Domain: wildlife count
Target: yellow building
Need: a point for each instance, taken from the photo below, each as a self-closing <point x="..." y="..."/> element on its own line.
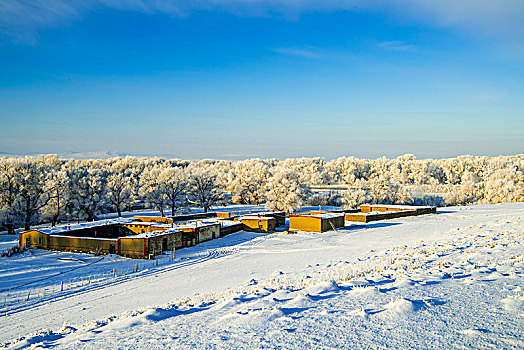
<point x="369" y="208"/>
<point x="258" y="223"/>
<point x="316" y="223"/>
<point x="145" y="227"/>
<point x="198" y="231"/>
<point x="156" y="219"/>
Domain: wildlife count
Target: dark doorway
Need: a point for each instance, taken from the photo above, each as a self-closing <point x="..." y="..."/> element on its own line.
<point x="28" y="242"/>
<point x="164" y="244"/>
<point x="112" y="249"/>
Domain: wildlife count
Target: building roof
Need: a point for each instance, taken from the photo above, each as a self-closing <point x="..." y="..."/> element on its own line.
<point x="396" y="206"/>
<point x="321" y="216"/>
<point x="83" y="225"/>
<point x="254" y="217"/>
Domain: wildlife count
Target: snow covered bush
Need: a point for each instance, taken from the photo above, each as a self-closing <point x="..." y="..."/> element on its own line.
<point x="352" y="198"/>
<point x="325" y="198"/>
<point x="383" y="191"/>
<point x="12" y="251"/>
<point x="430" y="200"/>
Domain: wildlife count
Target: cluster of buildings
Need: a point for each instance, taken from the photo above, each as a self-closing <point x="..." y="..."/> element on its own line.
<point x="145" y="237"/>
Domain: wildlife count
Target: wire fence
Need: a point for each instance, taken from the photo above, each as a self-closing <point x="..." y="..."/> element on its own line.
<point x="12" y="300"/>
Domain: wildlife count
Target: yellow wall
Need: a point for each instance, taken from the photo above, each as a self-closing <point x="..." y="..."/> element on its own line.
<point x="355" y="217"/>
<point x="132" y="247"/>
<point x="36" y="238"/>
<point x="140" y="228"/>
<point x="93" y="245"/>
<point x="157" y="219"/>
<point x="262" y="225"/>
<point x="304" y="223"/>
<point x="370" y="208"/>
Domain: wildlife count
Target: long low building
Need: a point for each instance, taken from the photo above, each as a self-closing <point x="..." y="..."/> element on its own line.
<point x="143" y="246"/>
<point x="122" y="236"/>
<point x="376" y="212"/>
<point x="420" y="210"/>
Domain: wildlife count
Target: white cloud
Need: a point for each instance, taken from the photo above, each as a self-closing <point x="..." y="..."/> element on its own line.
<point x="397" y="46"/>
<point x="293" y="51"/>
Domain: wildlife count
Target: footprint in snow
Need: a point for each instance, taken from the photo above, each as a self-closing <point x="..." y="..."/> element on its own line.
<point x="513" y="303"/>
<point x="473" y="331"/>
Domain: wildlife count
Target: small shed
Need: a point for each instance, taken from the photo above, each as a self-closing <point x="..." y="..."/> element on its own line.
<point x="279" y="216"/>
<point x="316" y="223"/>
<point x="258" y="223"/>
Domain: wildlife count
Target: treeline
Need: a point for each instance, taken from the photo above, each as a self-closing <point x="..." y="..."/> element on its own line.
<point x="49" y="189"/>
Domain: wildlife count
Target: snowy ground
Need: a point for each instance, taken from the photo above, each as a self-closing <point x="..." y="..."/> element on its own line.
<point x="452" y="280"/>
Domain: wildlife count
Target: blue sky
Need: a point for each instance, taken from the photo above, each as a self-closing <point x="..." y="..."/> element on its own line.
<point x="239" y="79"/>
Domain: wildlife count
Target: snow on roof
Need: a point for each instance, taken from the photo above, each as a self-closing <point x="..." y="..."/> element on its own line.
<point x="255" y="217"/>
<point x="264" y="213"/>
<point x="151" y="224"/>
<point x="322" y="216"/>
<point x="84" y="225"/>
<point x="227" y="223"/>
<point x="407" y="207"/>
<point x="376" y="212"/>
<point x="97" y="238"/>
<point x="152" y="234"/>
<point x="195" y="224"/>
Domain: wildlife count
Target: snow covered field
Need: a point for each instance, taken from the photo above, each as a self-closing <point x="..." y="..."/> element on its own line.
<point x="452" y="280"/>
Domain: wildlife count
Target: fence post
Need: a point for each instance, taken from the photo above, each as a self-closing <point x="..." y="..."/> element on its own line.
<point x="89" y="280"/>
<point x="136" y="268"/>
<point x="61" y="286"/>
<point x="114" y="272"/>
<point x="28" y="294"/>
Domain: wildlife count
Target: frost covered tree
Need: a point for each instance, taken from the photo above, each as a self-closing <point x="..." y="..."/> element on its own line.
<point x="174" y="182"/>
<point x="382" y="191"/>
<point x="152" y="188"/>
<point x="119" y="190"/>
<point x="352" y="198"/>
<point x="10" y="211"/>
<point x="204" y="189"/>
<point x="57" y="185"/>
<point x="503" y="185"/>
<point x="32" y="176"/>
<point x="247" y="183"/>
<point x="285" y="192"/>
<point x="88" y="192"/>
<point x="325" y="198"/>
